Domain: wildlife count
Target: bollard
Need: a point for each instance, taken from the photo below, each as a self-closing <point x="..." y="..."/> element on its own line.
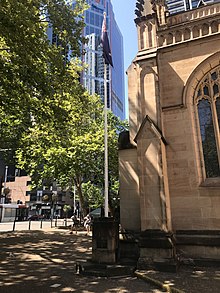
<point x="41" y="223"/>
<point x="16" y="212"/>
<point x="29" y="225"/>
<point x="14" y="225"/>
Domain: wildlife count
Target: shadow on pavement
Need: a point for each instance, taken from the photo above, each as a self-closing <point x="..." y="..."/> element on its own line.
<point x="39" y="261"/>
<point x="190" y="279"/>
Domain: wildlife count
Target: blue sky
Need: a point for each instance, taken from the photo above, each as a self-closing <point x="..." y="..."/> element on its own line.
<point x="124" y="15"/>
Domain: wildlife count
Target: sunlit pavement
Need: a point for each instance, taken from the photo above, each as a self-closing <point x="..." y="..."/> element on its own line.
<point x="32" y="225"/>
<point x="44" y="260"/>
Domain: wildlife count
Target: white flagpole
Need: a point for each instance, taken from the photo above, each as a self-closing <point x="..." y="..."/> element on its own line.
<point x="106" y="140"/>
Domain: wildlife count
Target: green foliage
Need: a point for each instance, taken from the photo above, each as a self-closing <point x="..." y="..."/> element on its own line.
<point x="93" y="195"/>
<point x="66" y="209"/>
<point x="54" y="128"/>
<point x="114" y="192"/>
<point x="67" y="149"/>
<point x="33" y="70"/>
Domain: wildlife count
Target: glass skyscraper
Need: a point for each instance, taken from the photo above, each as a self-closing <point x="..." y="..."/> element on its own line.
<point x="93" y="76"/>
<point x="175" y="6"/>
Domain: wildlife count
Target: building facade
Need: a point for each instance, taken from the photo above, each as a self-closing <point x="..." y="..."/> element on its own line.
<point x="170" y="160"/>
<point x="46" y="200"/>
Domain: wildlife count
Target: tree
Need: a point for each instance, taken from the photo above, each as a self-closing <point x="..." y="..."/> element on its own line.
<point x="54" y="128"/>
<point x="93" y="195"/>
<point x="33" y="70"/>
<point x="74" y="154"/>
<point x="65" y="152"/>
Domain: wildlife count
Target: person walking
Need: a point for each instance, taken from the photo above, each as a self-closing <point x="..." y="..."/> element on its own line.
<point x="87" y="223"/>
<point x="75" y="223"/>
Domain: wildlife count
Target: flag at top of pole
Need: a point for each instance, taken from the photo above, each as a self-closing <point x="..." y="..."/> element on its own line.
<point x="105" y="43"/>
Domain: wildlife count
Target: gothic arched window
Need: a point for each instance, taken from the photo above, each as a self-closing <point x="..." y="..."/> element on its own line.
<point x="208" y="111"/>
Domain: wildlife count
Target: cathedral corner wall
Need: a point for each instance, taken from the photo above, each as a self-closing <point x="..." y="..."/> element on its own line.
<point x="129" y="190"/>
<point x="193" y="207"/>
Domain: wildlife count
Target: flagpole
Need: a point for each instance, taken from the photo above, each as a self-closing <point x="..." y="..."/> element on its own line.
<point x="106" y="140"/>
<point x="107" y="58"/>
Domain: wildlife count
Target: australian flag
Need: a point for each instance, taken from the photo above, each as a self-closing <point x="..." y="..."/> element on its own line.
<point x="105" y="44"/>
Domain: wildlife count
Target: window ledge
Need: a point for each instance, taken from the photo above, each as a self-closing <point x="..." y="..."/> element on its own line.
<point x="211" y="183"/>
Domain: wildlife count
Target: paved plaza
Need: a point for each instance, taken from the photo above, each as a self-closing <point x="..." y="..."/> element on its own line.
<point x="45" y="260"/>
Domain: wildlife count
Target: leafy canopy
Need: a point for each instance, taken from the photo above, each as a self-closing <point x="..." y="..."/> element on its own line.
<point x="48" y="120"/>
<point x="35" y="73"/>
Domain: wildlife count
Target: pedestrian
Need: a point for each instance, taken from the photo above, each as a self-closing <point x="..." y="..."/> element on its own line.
<point x="87" y="223"/>
<point x="75" y="223"/>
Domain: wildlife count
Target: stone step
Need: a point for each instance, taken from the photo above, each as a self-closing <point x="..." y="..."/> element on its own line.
<point x="163" y="265"/>
<point x="201" y="262"/>
<point x="128" y="261"/>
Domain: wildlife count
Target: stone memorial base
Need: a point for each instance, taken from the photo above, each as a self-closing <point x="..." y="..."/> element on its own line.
<point x="105" y="240"/>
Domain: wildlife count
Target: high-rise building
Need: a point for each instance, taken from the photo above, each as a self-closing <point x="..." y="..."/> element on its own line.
<point x="93" y="76"/>
<point x="175" y="6"/>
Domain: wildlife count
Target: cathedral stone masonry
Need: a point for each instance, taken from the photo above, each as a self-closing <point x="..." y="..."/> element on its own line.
<point x="169" y="165"/>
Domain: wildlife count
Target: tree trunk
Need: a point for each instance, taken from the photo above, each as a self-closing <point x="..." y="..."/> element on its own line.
<point x="78" y="184"/>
